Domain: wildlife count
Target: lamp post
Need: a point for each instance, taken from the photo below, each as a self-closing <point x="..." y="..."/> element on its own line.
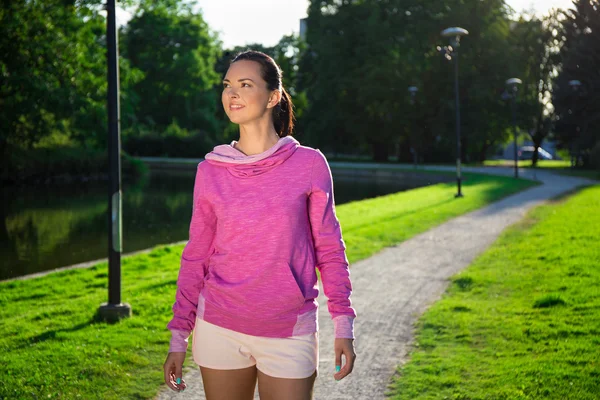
<point x="451" y="52"/>
<point x="512" y="85"/>
<point x="575" y="85"/>
<point x="413" y="90"/>
<point x="114" y="309"/>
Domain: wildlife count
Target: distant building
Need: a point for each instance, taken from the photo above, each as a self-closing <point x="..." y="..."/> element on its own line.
<point x="303" y="28"/>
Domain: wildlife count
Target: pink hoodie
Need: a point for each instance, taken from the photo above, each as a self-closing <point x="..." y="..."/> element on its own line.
<point x="260" y="225"/>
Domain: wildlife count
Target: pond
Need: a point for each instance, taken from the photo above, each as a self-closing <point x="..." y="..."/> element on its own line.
<point x="56" y="226"/>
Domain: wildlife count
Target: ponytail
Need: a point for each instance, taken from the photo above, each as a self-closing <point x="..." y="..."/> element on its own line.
<point x="283" y="115"/>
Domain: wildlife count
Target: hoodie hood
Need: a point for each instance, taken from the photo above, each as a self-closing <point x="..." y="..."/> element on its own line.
<point x="244" y="166"/>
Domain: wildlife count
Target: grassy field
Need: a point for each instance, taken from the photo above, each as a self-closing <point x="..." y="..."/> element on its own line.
<point x="558" y="166"/>
<point x="52" y="345"/>
<point x="527" y="163"/>
<point x="523" y="321"/>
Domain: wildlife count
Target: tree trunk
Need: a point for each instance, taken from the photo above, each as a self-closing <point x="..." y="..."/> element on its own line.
<point x="380" y="152"/>
<point x="537" y="142"/>
<point x="483" y="151"/>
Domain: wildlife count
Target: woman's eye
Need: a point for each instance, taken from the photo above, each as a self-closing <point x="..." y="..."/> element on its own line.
<point x="245" y="84"/>
<point x="225" y="85"/>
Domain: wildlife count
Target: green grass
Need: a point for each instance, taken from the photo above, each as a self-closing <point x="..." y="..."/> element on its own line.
<point x="52" y="346"/>
<point x="370" y="225"/>
<point x="562" y="167"/>
<point x="523" y="321"/>
<point x="527" y="163"/>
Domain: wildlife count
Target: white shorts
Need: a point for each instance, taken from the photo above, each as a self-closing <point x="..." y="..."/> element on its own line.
<point x="295" y="357"/>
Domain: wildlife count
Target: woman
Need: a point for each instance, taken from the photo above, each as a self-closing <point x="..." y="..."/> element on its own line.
<point x="263" y="218"/>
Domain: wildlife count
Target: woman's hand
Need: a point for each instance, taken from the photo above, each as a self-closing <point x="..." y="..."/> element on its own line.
<point x="345" y="347"/>
<point x="173" y="370"/>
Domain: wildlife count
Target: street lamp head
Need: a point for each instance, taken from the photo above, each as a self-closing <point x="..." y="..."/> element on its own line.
<point x="575" y="84"/>
<point x="413" y="93"/>
<point x="513" y="81"/>
<point x="454" y="32"/>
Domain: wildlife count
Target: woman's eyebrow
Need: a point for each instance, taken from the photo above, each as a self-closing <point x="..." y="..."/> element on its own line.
<point x="240" y="80"/>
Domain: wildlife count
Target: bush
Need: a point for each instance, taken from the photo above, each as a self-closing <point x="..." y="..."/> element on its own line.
<point x="594" y="156"/>
<point x="63" y="164"/>
<point x="172" y="142"/>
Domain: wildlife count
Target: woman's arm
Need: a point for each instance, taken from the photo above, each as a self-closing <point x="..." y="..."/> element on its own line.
<point x="193" y="267"/>
<point x="330" y="248"/>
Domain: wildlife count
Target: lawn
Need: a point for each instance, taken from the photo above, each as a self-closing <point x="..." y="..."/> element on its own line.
<point x="527" y="163"/>
<point x="523" y="321"/>
<point x="559" y="166"/>
<point x="53" y="346"/>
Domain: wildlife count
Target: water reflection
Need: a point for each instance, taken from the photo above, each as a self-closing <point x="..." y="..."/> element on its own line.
<point x="51" y="227"/>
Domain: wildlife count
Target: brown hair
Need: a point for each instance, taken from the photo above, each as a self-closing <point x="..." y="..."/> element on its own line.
<point x="283" y="113"/>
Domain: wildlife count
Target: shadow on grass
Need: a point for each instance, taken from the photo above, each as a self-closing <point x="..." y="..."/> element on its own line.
<point x="397" y="216"/>
<point x="170" y="282"/>
<point x="52" y="334"/>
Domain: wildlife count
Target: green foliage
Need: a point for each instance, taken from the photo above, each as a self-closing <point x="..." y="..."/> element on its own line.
<point x="173" y="141"/>
<point x="50" y="71"/>
<point x="385" y="47"/>
<point x="578" y="112"/>
<point x="535" y="57"/>
<point x="176" y="52"/>
<point x="63" y="164"/>
<point x="348" y="79"/>
<point x="595" y="156"/>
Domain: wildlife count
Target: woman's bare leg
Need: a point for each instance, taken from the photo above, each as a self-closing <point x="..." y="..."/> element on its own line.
<point x="271" y="388"/>
<point x="233" y="384"/>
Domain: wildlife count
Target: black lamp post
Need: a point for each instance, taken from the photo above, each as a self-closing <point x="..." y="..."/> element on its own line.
<point x="413" y="94"/>
<point x="512" y="90"/>
<point x="575" y="85"/>
<point x="451" y="52"/>
<point x="114" y="309"/>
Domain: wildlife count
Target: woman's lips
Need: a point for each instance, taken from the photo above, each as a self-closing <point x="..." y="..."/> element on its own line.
<point x="235" y="107"/>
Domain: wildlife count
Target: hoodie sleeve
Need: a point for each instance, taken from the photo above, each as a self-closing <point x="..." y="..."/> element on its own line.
<point x="330" y="248"/>
<point x="193" y="267"/>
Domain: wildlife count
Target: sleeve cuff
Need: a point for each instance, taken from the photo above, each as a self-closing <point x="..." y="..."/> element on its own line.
<point x="179" y="341"/>
<point x="343" y="327"/>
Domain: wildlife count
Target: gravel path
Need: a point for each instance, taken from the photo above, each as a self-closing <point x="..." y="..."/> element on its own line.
<point x="394" y="287"/>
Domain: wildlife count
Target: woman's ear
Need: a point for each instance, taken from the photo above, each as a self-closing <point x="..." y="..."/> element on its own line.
<point x="274" y="99"/>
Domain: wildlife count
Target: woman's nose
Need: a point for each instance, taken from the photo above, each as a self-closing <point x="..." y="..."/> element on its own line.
<point x="232" y="93"/>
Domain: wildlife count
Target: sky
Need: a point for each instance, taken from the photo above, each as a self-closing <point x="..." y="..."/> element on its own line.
<point x="240" y="22"/>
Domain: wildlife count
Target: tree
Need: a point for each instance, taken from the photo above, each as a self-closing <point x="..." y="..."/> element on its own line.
<point x="363" y="55"/>
<point x="346" y="65"/>
<point x="45" y="75"/>
<point x="177" y="53"/>
<point x="535" y="57"/>
<point x="578" y="113"/>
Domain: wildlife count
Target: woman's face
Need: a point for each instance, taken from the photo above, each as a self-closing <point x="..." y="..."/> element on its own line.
<point x="245" y="94"/>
